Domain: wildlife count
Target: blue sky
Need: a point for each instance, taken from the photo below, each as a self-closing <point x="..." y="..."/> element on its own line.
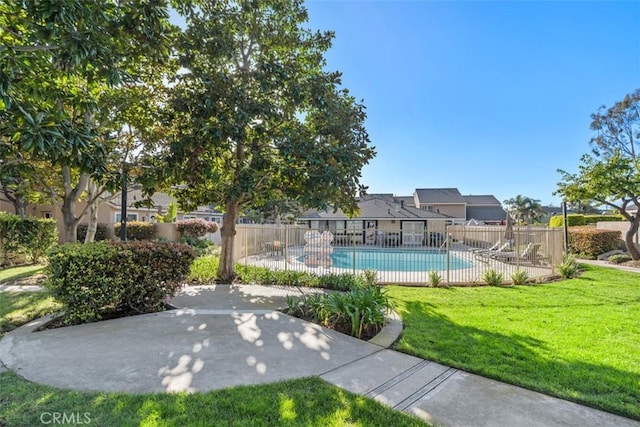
<point x="488" y="97"/>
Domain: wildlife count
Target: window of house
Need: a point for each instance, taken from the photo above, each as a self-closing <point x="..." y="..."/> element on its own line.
<point x="130" y="217"/>
<point x="47" y="215"/>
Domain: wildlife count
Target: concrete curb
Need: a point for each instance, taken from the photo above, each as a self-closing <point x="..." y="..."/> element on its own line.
<point x="390" y="332"/>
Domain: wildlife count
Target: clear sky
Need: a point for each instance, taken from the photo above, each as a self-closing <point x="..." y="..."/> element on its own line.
<point x="488" y="97"/>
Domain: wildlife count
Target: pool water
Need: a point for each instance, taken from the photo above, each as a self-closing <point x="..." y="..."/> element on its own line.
<point x="395" y="259"/>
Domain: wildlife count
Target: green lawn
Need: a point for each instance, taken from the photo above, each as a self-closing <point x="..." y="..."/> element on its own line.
<point x="21" y="272"/>
<point x="18" y="308"/>
<point x="308" y="401"/>
<point x="577" y="339"/>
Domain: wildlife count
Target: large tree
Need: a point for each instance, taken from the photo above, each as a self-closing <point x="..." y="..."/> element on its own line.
<point x="56" y="61"/>
<point x="611" y="174"/>
<point x="255" y="117"/>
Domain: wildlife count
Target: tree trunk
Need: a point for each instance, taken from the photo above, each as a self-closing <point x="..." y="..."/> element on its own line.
<point x="71" y="195"/>
<point x="20" y="206"/>
<point x="226" y="272"/>
<point x="628" y="238"/>
<point x="92" y="227"/>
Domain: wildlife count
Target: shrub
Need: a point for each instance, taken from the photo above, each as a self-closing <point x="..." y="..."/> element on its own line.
<point x="569" y="267"/>
<point x="137" y="230"/>
<point x="202" y="247"/>
<point x="25" y="236"/>
<point x="196" y="227"/>
<point x="492" y="278"/>
<point x="591" y="242"/>
<point x="573" y="220"/>
<point x="591" y="219"/>
<point x="102" y="279"/>
<point x="102" y="232"/>
<point x="519" y="277"/>
<point x="341" y="282"/>
<point x="435" y="279"/>
<point x="356" y="312"/>
<point x="37" y="236"/>
<point x="370" y="277"/>
<point x="204" y="269"/>
<point x="619" y="259"/>
<point x="10" y="237"/>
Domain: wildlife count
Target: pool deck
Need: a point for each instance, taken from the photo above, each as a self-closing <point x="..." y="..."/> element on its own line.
<point x="289" y="260"/>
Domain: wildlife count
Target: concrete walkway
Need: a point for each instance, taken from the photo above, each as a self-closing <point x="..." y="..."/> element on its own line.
<point x="223" y="336"/>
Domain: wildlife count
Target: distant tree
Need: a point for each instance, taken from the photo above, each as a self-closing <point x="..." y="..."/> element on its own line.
<point x="611" y="174"/>
<point x="524" y="209"/>
<point x="255" y="117"/>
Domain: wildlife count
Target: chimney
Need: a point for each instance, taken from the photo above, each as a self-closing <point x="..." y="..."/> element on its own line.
<point x="401" y="204"/>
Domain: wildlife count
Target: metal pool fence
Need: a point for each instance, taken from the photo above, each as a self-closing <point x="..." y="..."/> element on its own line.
<point x="456" y="254"/>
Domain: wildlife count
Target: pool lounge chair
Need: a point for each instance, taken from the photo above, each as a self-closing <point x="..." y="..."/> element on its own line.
<point x="529" y="254"/>
<point x="494" y="247"/>
<point x="487" y="253"/>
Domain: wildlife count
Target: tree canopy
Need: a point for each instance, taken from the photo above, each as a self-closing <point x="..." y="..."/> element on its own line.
<point x="524" y="209"/>
<point x="254" y="117"/>
<point x="610" y="175"/>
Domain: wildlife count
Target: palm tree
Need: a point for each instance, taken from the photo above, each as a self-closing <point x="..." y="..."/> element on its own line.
<point x="524" y="209"/>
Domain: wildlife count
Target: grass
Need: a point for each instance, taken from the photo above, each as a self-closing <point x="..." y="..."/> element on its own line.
<point x="18" y="308"/>
<point x="307" y="401"/>
<point x="15" y="273"/>
<point x="576" y="339"/>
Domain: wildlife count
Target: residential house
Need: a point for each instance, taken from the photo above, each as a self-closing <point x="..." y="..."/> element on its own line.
<point x="383" y="219"/>
<point x="482" y="209"/>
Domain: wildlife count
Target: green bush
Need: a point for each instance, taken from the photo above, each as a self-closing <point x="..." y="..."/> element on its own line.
<point x="25" y="236"/>
<point x="492" y="278"/>
<point x="435" y="279"/>
<point x="356" y="312"/>
<point x="102" y="279"/>
<point x="202" y="247"/>
<point x="204" y="269"/>
<point x="573" y="220"/>
<point x="519" y="277"/>
<point x="38" y="235"/>
<point x="102" y="232"/>
<point x="619" y="259"/>
<point x="196" y="227"/>
<point x="591" y="242"/>
<point x="591" y="219"/>
<point x="569" y="267"/>
<point x="10" y="238"/>
<point x="137" y="230"/>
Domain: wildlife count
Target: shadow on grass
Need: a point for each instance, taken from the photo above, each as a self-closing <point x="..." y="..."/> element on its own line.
<point x="516" y="359"/>
<point x="308" y="401"/>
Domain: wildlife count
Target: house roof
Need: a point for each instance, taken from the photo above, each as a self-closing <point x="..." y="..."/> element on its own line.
<point x="486" y="213"/>
<point x="158" y="201"/>
<point x="485" y="199"/>
<point x="408" y="200"/>
<point x="440" y="195"/>
<point x="372" y="207"/>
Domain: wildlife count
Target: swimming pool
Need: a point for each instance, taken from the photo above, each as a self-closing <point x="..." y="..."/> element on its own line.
<point x="395" y="259"/>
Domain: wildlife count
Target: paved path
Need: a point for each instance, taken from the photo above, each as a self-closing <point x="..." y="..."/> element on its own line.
<point x="225" y="336"/>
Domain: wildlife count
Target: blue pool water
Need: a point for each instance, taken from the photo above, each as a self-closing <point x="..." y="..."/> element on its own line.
<point x="395" y="259"/>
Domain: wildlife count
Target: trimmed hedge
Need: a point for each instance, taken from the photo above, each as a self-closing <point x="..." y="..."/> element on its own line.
<point x="591" y="242"/>
<point x="102" y="231"/>
<point x="575" y="220"/>
<point x="107" y="279"/>
<point x="592" y="219"/>
<point x="196" y="227"/>
<point x="137" y="230"/>
<point x="30" y="236"/>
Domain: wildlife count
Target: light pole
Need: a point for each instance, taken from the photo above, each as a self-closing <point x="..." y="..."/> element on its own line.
<point x="123" y="201"/>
